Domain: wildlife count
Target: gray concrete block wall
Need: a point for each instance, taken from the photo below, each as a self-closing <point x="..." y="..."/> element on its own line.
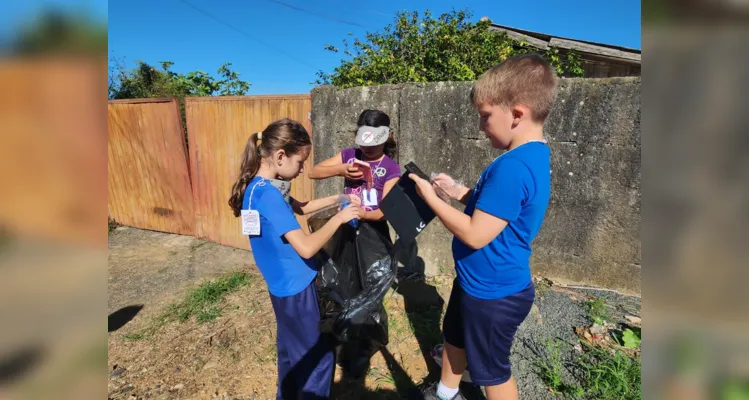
<point x="591" y="231"/>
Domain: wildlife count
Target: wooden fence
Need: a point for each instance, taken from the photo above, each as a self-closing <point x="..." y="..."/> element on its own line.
<point x="52" y="142"/>
<point x="218" y="130"/>
<point x="149" y="181"/>
<point x="154" y="183"/>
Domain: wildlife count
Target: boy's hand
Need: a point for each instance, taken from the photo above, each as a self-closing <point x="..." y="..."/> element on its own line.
<point x="423" y="188"/>
<point x="350" y="172"/>
<point x="448" y="184"/>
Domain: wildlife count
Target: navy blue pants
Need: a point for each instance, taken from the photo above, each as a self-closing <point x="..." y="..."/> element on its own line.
<point x="305" y="357"/>
<point x="486" y="330"/>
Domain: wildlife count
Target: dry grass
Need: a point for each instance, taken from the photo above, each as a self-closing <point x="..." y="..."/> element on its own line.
<point x="233" y="352"/>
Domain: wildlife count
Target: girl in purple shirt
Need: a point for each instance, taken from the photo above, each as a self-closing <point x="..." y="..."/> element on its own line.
<point x="377" y="148"/>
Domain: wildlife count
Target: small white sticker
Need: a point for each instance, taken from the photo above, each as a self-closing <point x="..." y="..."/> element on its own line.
<point x="367" y="137"/>
<point x="250" y="222"/>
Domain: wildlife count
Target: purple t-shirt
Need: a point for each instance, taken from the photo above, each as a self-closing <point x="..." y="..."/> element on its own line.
<point x="382" y="171"/>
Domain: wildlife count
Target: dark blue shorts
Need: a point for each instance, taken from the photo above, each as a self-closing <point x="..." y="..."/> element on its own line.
<point x="486" y="329"/>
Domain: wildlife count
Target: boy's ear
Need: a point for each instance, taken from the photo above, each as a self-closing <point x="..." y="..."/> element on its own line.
<point x="520" y="111"/>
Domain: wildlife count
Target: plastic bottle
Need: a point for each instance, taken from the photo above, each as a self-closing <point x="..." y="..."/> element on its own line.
<point x="344" y="200"/>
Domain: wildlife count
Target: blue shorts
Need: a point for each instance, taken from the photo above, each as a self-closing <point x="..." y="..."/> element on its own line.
<point x="486" y="329"/>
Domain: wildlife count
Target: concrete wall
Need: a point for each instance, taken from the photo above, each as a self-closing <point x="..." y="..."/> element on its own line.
<point x="591" y="233"/>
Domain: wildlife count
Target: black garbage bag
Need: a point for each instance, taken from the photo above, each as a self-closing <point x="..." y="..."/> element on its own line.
<point x="357" y="269"/>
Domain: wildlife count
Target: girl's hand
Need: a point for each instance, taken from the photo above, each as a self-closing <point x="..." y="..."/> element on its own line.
<point x="350" y="172"/>
<point x="350" y="212"/>
<point x="423" y="188"/>
<point x="448" y="184"/>
<point x="354" y="199"/>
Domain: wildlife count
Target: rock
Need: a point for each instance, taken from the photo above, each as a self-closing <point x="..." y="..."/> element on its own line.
<point x="128" y="388"/>
<point x="132" y="397"/>
<point x="117" y="372"/>
<point x="536" y="312"/>
<point x="178" y="386"/>
<point x="633" y="320"/>
<point x="209" y="365"/>
<point x="578" y="347"/>
<point x="598" y="329"/>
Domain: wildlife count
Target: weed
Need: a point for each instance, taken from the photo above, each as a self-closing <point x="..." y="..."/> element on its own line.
<point x="610" y="374"/>
<point x="597" y="311"/>
<point x="208" y="315"/>
<point x="133" y="337"/>
<point x="425" y="324"/>
<point x="200" y="302"/>
<point x="606" y="374"/>
<point x="550" y="366"/>
<point x="382" y="379"/>
<point x="542" y="288"/>
<point x="112" y="224"/>
<point x="632" y="337"/>
<point x="397" y="325"/>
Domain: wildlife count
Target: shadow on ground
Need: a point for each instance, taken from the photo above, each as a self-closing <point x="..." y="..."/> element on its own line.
<point x="121" y="317"/>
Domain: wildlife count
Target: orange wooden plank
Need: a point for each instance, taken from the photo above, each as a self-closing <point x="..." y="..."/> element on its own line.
<point x="149" y="181"/>
<point x="218" y="131"/>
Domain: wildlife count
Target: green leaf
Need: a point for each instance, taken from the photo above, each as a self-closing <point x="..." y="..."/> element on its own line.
<point x="422" y="48"/>
<point x="631" y="339"/>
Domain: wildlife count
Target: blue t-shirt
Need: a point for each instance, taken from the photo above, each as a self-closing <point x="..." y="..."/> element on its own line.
<point x="515" y="187"/>
<point x="284" y="270"/>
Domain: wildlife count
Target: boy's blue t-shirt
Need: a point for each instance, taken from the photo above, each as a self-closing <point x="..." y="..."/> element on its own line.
<point x="515" y="187"/>
<point x="284" y="270"/>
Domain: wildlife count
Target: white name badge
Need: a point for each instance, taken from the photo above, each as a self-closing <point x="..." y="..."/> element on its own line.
<point x="250" y="222"/>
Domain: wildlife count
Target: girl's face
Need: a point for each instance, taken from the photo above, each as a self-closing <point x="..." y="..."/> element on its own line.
<point x="289" y="167"/>
<point x="373" y="152"/>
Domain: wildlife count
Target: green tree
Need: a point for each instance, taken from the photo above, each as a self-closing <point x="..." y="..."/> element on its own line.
<point x="427" y="49"/>
<point x="58" y="31"/>
<point x="147" y="81"/>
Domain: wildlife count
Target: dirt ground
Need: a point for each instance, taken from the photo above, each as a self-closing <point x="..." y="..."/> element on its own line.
<point x="233" y="356"/>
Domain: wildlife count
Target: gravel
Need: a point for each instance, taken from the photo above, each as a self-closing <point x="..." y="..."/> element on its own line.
<point x="555" y="315"/>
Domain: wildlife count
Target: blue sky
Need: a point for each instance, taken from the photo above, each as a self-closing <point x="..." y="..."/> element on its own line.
<point x="279" y="48"/>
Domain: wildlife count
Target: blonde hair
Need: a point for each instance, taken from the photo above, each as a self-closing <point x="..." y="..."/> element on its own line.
<point x="523" y="79"/>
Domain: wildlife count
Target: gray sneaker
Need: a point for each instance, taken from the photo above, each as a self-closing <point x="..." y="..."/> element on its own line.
<point x="430" y="393"/>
